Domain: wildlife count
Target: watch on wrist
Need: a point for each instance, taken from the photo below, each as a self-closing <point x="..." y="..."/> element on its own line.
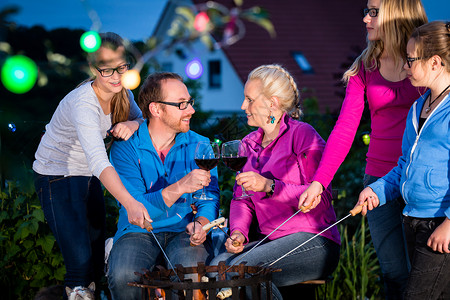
<point x="272" y="189"/>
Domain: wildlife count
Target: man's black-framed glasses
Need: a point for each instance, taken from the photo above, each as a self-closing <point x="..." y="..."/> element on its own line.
<point x="108" y="72"/>
<point x="410" y="60"/>
<point x="373" y="12"/>
<point x="181" y="105"/>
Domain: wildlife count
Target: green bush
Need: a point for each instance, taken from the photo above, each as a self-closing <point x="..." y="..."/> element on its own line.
<point x="357" y="275"/>
<point x="29" y="257"/>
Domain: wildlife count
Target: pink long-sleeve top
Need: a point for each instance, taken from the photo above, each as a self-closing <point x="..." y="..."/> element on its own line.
<point x="291" y="161"/>
<point x="389" y="103"/>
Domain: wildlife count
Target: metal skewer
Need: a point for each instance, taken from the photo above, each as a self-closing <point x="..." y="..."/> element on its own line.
<point x="149" y="228"/>
<point x="235" y="242"/>
<point x="217" y="224"/>
<point x="267" y="236"/>
<point x="352" y="213"/>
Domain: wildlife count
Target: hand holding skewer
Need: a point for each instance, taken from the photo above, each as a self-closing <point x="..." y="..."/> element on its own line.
<point x="218" y="223"/>
<point x="368" y="200"/>
<point x="197" y="234"/>
<point x="148" y="225"/>
<point x="191" y="231"/>
<point x="235" y="243"/>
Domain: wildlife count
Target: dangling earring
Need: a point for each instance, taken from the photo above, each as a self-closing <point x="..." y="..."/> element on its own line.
<point x="270" y="118"/>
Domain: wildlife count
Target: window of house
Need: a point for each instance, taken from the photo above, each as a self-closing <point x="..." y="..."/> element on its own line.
<point x="215" y="74"/>
<point x="303" y="63"/>
<point x="167" y="67"/>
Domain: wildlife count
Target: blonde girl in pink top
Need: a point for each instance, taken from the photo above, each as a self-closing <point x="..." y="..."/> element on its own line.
<point x="378" y="76"/>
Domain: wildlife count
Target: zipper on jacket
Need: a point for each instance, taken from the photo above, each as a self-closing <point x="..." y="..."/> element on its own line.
<point x="416" y="128"/>
<point x="407" y="168"/>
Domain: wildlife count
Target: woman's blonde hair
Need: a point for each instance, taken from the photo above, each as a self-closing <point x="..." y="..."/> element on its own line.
<point x="433" y="39"/>
<point x="278" y="82"/>
<point x="396" y="19"/>
<point x="120" y="103"/>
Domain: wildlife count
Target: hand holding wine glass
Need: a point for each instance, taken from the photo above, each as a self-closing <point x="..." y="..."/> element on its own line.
<point x="207" y="157"/>
<point x="234" y="156"/>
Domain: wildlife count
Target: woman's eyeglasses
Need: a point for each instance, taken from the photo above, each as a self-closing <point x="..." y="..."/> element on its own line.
<point x="373" y="12"/>
<point x="410" y="60"/>
<point x="108" y="72"/>
<point x="181" y="105"/>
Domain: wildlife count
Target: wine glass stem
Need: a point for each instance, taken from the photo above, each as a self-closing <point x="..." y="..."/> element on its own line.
<point x="244" y="194"/>
<point x="203" y="192"/>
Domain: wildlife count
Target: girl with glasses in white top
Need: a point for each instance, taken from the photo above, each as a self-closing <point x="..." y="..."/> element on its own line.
<point x="72" y="163"/>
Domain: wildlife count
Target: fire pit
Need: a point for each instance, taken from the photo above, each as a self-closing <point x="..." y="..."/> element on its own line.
<point x="208" y="287"/>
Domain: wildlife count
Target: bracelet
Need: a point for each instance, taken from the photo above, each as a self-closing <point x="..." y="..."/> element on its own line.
<point x="198" y="222"/>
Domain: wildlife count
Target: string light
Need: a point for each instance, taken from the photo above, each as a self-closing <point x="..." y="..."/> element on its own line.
<point x="194" y="69"/>
<point x="201" y="21"/>
<point x="131" y="79"/>
<point x="90" y="41"/>
<point x="19" y="74"/>
<point x="12" y="127"/>
<point x="365" y="138"/>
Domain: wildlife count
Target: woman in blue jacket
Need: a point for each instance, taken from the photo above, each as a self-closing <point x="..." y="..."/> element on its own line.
<point x="422" y="175"/>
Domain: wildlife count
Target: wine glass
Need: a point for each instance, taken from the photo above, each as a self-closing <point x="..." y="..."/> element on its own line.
<point x="234" y="156"/>
<point x="206" y="157"/>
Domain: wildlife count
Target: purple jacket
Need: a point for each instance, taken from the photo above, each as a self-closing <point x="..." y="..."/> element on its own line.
<point x="291" y="161"/>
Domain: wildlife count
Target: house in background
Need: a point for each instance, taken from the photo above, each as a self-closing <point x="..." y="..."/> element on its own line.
<point x="222" y="89"/>
<point x="315" y="40"/>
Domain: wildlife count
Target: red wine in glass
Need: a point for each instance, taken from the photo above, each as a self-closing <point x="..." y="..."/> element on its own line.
<point x="234" y="156"/>
<point x="235" y="163"/>
<point x="206" y="157"/>
<point x="207" y="163"/>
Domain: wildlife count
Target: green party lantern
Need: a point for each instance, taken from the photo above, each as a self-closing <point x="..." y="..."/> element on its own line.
<point x="19" y="74"/>
<point x="90" y="41"/>
<point x="365" y="138"/>
<point x="218" y="139"/>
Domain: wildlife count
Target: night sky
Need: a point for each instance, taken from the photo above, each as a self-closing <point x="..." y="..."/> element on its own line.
<point x="133" y="19"/>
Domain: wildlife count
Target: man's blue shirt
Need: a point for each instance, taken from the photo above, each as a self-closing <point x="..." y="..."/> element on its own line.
<point x="145" y="176"/>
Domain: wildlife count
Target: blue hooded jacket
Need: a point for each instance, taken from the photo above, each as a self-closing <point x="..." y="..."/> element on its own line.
<point x="422" y="175"/>
<point x="145" y="176"/>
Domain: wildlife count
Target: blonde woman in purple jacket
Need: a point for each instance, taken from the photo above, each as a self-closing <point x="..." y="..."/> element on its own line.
<point x="283" y="155"/>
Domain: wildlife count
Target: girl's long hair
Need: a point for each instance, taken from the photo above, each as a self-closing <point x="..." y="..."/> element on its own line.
<point x="396" y="19"/>
<point x="120" y="103"/>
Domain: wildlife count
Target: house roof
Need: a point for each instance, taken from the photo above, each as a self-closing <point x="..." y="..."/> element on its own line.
<point x="330" y="34"/>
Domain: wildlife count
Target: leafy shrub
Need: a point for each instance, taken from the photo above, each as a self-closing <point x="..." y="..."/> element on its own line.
<point x="29" y="257"/>
<point x="357" y="275"/>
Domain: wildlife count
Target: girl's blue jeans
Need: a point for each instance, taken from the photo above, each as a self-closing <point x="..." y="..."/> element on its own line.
<point x="386" y="230"/>
<point x="75" y="211"/>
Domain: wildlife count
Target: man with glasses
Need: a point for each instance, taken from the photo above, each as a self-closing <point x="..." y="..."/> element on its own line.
<point x="157" y="166"/>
